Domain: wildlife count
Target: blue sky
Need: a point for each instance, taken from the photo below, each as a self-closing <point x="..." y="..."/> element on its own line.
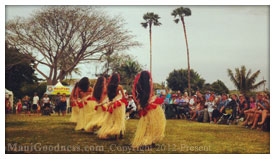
<point x="220" y="37"/>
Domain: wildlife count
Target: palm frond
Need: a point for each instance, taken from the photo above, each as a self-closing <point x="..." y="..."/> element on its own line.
<point x="156" y="17"/>
<point x="146" y="16"/>
<point x="255" y="86"/>
<point x="174" y="13"/>
<point x="181" y="12"/>
<point x="145" y="25"/>
<point x="238" y="77"/>
<point x="156" y="23"/>
<point x="243" y="81"/>
<point x="252" y="78"/>
<point x="248" y="74"/>
<point x="176" y="21"/>
<point x="232" y="78"/>
<point x="187" y="12"/>
<point x="151" y="18"/>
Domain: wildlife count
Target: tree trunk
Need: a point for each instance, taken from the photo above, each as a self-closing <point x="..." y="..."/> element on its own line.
<point x="49" y="81"/>
<point x="189" y="85"/>
<point x="54" y="81"/>
<point x="150" y="33"/>
<point x="62" y="75"/>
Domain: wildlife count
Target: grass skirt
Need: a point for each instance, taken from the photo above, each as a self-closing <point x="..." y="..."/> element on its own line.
<point x="97" y="117"/>
<point x="89" y="111"/>
<point x="74" y="115"/>
<point x="81" y="121"/>
<point x="113" y="123"/>
<point x="150" y="128"/>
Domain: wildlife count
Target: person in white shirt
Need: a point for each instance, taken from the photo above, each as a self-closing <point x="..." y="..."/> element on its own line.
<point x="192" y="103"/>
<point x="131" y="108"/>
<point x="46" y="105"/>
<point x="186" y="97"/>
<point x="210" y="107"/>
<point x="35" y="102"/>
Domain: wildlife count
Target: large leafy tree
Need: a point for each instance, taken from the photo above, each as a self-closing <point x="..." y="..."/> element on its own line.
<point x="150" y="20"/>
<point x="30" y="89"/>
<point x="61" y="37"/>
<point x="179" y="14"/>
<point x="218" y="87"/>
<point x="245" y="81"/>
<point x="177" y="80"/>
<point x="18" y="71"/>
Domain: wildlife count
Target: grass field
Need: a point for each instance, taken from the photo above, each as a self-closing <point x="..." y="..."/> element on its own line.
<point x="43" y="134"/>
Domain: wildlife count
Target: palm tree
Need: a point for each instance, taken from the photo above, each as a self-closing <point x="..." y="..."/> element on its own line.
<point x="128" y="71"/>
<point x="181" y="12"/>
<point x="244" y="81"/>
<point x="150" y="19"/>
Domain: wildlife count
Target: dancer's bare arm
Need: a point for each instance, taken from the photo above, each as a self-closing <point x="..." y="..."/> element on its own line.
<point x="120" y="88"/>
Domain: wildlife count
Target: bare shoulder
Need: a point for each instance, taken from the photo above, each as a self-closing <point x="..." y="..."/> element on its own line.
<point x="90" y="89"/>
<point x="120" y="87"/>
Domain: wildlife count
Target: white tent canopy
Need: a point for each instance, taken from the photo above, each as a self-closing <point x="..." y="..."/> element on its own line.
<point x="9" y="94"/>
<point x="59" y="84"/>
<point x="58" y="88"/>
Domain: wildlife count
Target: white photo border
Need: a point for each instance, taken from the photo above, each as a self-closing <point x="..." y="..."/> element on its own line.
<point x="134" y="2"/>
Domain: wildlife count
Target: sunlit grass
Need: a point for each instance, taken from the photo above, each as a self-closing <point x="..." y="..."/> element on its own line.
<point x="181" y="137"/>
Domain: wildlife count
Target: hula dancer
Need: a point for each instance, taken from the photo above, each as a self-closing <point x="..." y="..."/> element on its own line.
<point x="152" y="122"/>
<point x="83" y="91"/>
<point x="114" y="122"/>
<point x="95" y="104"/>
<point x="75" y="108"/>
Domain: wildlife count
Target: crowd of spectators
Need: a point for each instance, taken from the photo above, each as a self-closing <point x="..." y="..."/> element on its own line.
<point x="252" y="111"/>
<point x="218" y="109"/>
<point x="45" y="106"/>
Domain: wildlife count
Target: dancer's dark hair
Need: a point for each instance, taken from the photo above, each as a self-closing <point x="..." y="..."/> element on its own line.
<point x="112" y="86"/>
<point x="84" y="84"/>
<point x="142" y="88"/>
<point x="98" y="88"/>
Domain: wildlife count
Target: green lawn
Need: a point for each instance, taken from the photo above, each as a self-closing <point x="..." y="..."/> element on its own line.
<point x="43" y="134"/>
